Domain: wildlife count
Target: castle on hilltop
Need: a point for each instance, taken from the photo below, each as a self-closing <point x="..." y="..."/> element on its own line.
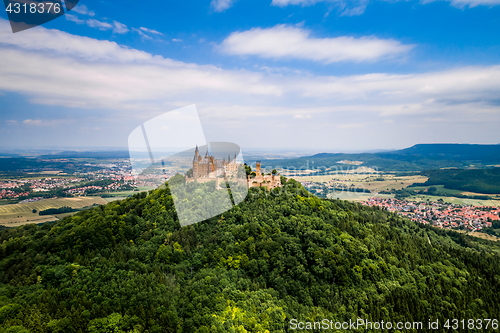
<point x="207" y="168"/>
<point x="261" y="180"/>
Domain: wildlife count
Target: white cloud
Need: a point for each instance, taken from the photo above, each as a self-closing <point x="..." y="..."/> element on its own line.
<point x="474" y="3"/>
<point x="455" y="86"/>
<point x="62" y="44"/>
<point x="82" y="9"/>
<point x="283" y="3"/>
<point x="221" y="5"/>
<point x="347" y="7"/>
<point x="358" y="10"/>
<point x="120" y="28"/>
<point x="302" y="116"/>
<point x="152" y="31"/>
<point x="93" y="23"/>
<point x="117" y="27"/>
<point x="32" y="122"/>
<point x="140" y="32"/>
<point x="46" y="122"/>
<point x="176" y="40"/>
<point x="58" y="68"/>
<point x="357" y="7"/>
<point x="290" y="42"/>
<point x="73" y="18"/>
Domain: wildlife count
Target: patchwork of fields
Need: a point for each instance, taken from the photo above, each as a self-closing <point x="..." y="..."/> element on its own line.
<point x="14" y="215"/>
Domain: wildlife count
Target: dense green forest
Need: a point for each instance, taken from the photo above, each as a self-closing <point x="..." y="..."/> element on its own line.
<point x="473" y="180"/>
<point x="60" y="210"/>
<point x="128" y="266"/>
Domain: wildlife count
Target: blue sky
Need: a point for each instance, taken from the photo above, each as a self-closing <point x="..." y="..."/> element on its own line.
<point x="323" y="75"/>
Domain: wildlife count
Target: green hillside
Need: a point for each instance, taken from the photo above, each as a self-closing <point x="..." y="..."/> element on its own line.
<point x="129" y="267"/>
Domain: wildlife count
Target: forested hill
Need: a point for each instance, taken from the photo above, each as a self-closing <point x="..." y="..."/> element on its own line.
<point x="129" y="267"/>
<point x="416" y="158"/>
<point x="461" y="152"/>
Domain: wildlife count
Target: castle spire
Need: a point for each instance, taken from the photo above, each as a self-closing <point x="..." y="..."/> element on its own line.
<point x="196" y="154"/>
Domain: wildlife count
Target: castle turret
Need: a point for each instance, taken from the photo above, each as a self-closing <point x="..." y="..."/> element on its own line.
<point x="196" y="169"/>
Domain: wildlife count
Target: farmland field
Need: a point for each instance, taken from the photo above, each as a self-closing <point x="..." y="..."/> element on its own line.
<point x="78" y="202"/>
<point x="17" y="214"/>
<point x="480" y="235"/>
<point x="356" y="196"/>
<point x="391" y="182"/>
<point x="367" y="181"/>
<point x="455" y="200"/>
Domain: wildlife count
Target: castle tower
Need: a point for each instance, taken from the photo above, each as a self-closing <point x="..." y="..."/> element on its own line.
<point x="257" y="166"/>
<point x="196" y="166"/>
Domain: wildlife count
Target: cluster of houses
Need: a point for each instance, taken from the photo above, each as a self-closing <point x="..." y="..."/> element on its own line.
<point x="11" y="189"/>
<point x="83" y="189"/>
<point x="47" y="184"/>
<point x="440" y="214"/>
<point x="9" y="194"/>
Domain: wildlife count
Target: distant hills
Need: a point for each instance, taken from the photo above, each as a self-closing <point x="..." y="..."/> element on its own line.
<point x="88" y="154"/>
<point x="416" y="158"/>
<point x="462" y="152"/>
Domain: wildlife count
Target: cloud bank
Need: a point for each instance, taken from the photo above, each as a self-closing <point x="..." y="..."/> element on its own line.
<point x="291" y="42"/>
<point x="51" y="67"/>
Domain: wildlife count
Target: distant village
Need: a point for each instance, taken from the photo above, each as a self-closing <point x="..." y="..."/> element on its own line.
<point x="116" y="177"/>
<point x="440" y="214"/>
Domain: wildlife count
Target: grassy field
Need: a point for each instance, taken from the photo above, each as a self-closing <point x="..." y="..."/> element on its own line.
<point x="390" y="182"/>
<point x="122" y="195"/>
<point x="454" y="200"/>
<point x="13" y="215"/>
<point x="369" y="181"/>
<point x="356" y="197"/>
<point x="17" y="214"/>
<point x="440" y="189"/>
<point x="362" y="172"/>
<point x="480" y="235"/>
